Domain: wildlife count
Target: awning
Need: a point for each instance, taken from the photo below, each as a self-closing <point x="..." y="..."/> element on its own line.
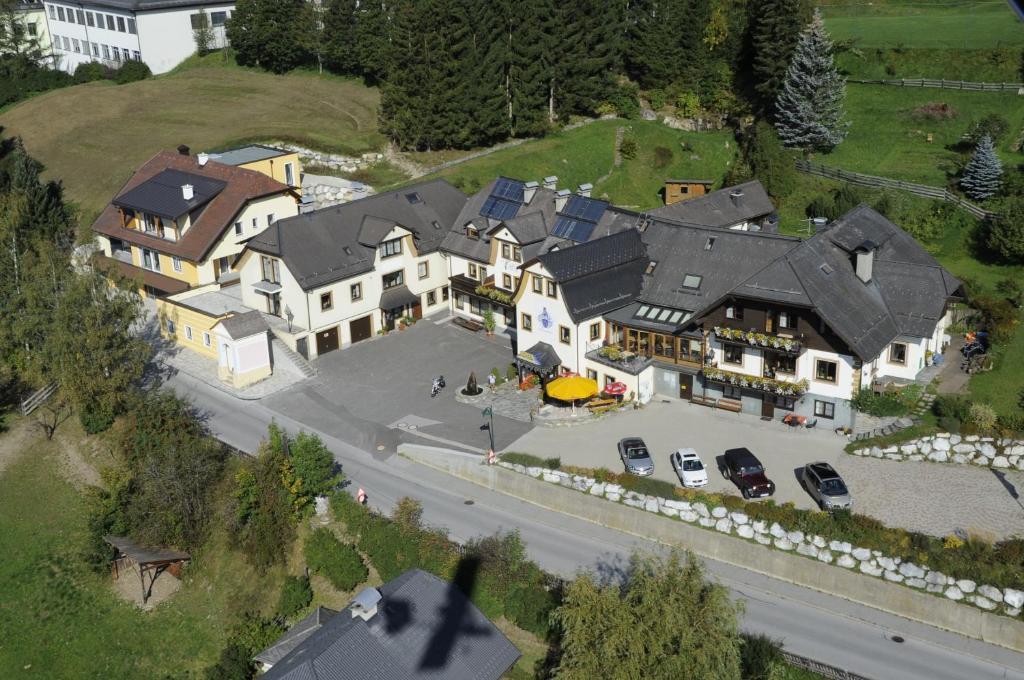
<point x="542" y="355"/>
<point x="165" y="284"/>
<point x="267" y="287"/>
<point x="399" y="296"/>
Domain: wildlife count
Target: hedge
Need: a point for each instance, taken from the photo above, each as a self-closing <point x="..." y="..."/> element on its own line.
<point x="338" y="562"/>
<point x="530" y="460"/>
<point x="295" y="595"/>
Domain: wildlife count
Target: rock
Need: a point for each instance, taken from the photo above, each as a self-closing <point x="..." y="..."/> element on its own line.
<point x="678" y="505"/>
<point x="719" y="512"/>
<point x="777" y="531"/>
<point x="908" y="448"/>
<point x="634" y="503"/>
<point x="614" y="497"/>
<point x="597" y="490"/>
<point x="991" y="593"/>
<point x="846" y="561"/>
<point x="807" y="549"/>
<point x="688" y="515"/>
<point x="763" y="539"/>
<point x="955" y="439"/>
<point x="982" y="461"/>
<point x="961" y="459"/>
<point x="859" y="452"/>
<point x="651" y="505"/>
<point x="915" y="457"/>
<point x="760" y="526"/>
<point x="825" y="556"/>
<point x="972" y="438"/>
<point x="706" y="522"/>
<point x="876" y="452"/>
<point x="915" y="582"/>
<point x="745" y="531"/>
<point x="925" y="447"/>
<point x="954" y="593"/>
<point x="982" y="602"/>
<point x="870" y="569"/>
<point x="581" y="485"/>
<point x="671" y="512"/>
<point x="1000" y="462"/>
<point x="966" y="585"/>
<point x="934" y="588"/>
<point x="1013" y="460"/>
<point x="861" y="554"/>
<point x="724" y="525"/>
<point x="942" y="435"/>
<point x="795" y="536"/>
<point x="887" y="563"/>
<point x="1014" y="598"/>
<point x="548" y="477"/>
<point x="894" y="456"/>
<point x="783" y="543"/>
<point x="839" y="546"/>
<point x="935" y="578"/>
<point x="818" y="542"/>
<point x="938" y="456"/>
<point x="987" y="450"/>
<point x="911" y="570"/>
<point x="534" y="471"/>
<point x="1013" y="612"/>
<point x="739" y="518"/>
<point x="613" y="488"/>
<point x="893" y="576"/>
<point x="701" y="509"/>
<point x="941" y="445"/>
<point x="890" y="449"/>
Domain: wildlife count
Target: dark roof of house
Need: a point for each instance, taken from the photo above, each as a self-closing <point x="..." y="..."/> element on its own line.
<point x="339" y="242"/>
<point x="295" y="635"/>
<point x="424" y="628"/>
<point x="241" y="186"/>
<point x="163" y="193"/>
<point x="247" y="154"/>
<point x="721" y="208"/>
<point x="244" y="325"/>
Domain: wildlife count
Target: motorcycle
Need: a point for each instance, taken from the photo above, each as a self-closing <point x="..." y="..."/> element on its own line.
<point x="436" y="386"/>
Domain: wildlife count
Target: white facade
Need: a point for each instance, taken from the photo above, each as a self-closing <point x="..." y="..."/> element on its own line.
<point x="242" y="361"/>
<point x="96" y="31"/>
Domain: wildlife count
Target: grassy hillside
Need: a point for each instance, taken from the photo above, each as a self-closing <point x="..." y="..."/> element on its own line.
<point x="92" y="136"/>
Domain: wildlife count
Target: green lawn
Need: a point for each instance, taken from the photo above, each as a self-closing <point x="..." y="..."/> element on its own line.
<point x="971" y="24"/>
<point x="587" y="153"/>
<point x="93" y="136"/>
<point x="1003" y="387"/>
<point x="887" y="138"/>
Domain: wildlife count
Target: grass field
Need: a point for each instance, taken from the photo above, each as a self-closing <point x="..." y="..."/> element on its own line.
<point x="973" y="24"/>
<point x="587" y="153"/>
<point x="93" y="136"/>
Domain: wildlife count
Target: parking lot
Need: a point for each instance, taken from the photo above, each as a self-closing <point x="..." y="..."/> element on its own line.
<point x="929" y="497"/>
<point x="377" y="392"/>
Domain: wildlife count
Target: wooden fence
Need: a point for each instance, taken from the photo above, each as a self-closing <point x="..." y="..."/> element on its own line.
<point x="822" y="669"/>
<point x="886" y="183"/>
<point x="34" y="400"/>
<point x="945" y="84"/>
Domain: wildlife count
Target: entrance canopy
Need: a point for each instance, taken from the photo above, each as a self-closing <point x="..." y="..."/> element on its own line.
<point x="399" y="296"/>
<point x="541" y="356"/>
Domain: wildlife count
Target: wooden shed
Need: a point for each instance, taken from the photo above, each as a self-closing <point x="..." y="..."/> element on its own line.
<point x="677" y="190"/>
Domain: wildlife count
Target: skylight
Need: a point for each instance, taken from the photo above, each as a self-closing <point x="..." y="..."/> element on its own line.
<point x="660" y="314"/>
<point x="710" y="243"/>
<point x="651" y="266"/>
<point x="413" y="198"/>
<point x="826" y="268"/>
<point x="692" y="281"/>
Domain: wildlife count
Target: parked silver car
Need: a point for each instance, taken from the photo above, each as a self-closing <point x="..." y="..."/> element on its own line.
<point x="635" y="457"/>
<point x="826" y="487"/>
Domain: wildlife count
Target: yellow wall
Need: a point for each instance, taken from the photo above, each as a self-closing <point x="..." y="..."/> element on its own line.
<point x="274" y="167"/>
<point x="188" y="273"/>
<point x="182" y="317"/>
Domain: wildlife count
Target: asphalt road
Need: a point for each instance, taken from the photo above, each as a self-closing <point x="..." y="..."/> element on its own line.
<point x="809" y="623"/>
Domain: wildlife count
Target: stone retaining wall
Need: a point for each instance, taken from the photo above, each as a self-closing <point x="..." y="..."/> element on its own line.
<point x="952" y="448"/>
<point x="330" y="160"/>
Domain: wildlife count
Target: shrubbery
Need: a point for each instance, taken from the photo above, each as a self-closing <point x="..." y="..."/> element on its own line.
<point x="338" y="562"/>
<point x="92" y="70"/>
<point x="892" y="403"/>
<point x="132" y="71"/>
<point x="295" y="595"/>
<point x="531" y="461"/>
<point x="96" y="419"/>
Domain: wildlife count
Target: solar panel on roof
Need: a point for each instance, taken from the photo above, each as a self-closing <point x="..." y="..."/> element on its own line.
<point x="499" y="208"/>
<point x="506" y="188"/>
<point x="581" y="207"/>
<point x="573" y="229"/>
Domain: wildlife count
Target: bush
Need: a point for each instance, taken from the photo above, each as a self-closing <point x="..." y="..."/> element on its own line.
<point x="295" y="595"/>
<point x="512" y="373"/>
<point x="96" y="418"/>
<point x="314" y="467"/>
<point x="759" y="657"/>
<point x="993" y="126"/>
<point x="629" y="148"/>
<point x="1011" y="424"/>
<point x="131" y="72"/>
<point x="626" y="100"/>
<point x="529" y="606"/>
<point x="983" y="417"/>
<point x="894" y="403"/>
<point x="338" y="562"/>
<point x="953" y="407"/>
<point x="530" y="460"/>
<point x="951" y="425"/>
<point x="657" y="99"/>
<point x="91" y="71"/>
<point x="769" y="161"/>
<point x="688" y="105"/>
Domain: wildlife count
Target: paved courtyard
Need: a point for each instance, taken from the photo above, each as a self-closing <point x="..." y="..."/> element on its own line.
<point x="928" y="497"/>
<point x="377" y="392"/>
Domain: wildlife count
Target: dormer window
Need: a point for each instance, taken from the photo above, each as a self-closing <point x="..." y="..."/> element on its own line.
<point x="472" y="232"/>
<point x="390" y="248"/>
<point x="692" y="281"/>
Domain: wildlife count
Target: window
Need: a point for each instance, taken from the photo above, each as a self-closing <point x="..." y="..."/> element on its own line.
<point x="824" y="409"/>
<point x="471" y="232"/>
<point x="170" y="324"/>
<point x="106" y="51"/>
<point x="120" y="24"/>
<point x="460" y="301"/>
<point x="150" y="260"/>
<point x="67" y="43"/>
<point x="188" y="332"/>
<point x="734" y="312"/>
<point x="95" y="50"/>
<point x="592" y="374"/>
<point x="563" y="335"/>
<point x="218" y="18"/>
<point x="898" y="353"/>
<point x="271" y="269"/>
<point x="526" y="322"/>
<point x="76" y="45"/>
<point x="32" y="29"/>
<point x="391" y="248"/>
<point x="825" y="370"/>
<point x="423" y="269"/>
<point x="326" y="301"/>
<point x="53" y="15"/>
<point x="517" y="254"/>
<point x="552" y="289"/>
<point x="444" y="293"/>
<point x="506" y="251"/>
<point x="356" y="291"/>
<point x="595" y="330"/>
<point x="431" y="298"/>
<point x="238" y="228"/>
<point x="289" y="174"/>
<point x="127" y="54"/>
<point x="608" y="380"/>
<point x="393" y="279"/>
<point x="199" y="20"/>
<point x="131" y="26"/>
<point x="176" y="262"/>
<point x="787" y="320"/>
<point x="136" y="55"/>
<point x="270" y="219"/>
<point x="785" y="364"/>
<point x="117" y="54"/>
<point x="110" y="22"/>
<point x="785" y="403"/>
<point x="732" y="354"/>
<point x="538" y="284"/>
<point x="89" y="19"/>
<point x="471" y="269"/>
<point x="692" y="281"/>
<point x="80" y="16"/>
<point x="206" y="339"/>
<point x="60" y="13"/>
<point x="255" y="224"/>
<point x="732" y="392"/>
<point x="506" y="281"/>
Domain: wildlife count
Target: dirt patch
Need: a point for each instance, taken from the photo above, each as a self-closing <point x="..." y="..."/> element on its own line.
<point x="129" y="588"/>
<point x="73" y="459"/>
<point x="16" y="440"/>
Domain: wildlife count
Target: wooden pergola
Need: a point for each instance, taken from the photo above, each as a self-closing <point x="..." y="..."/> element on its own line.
<point x="148" y="561"/>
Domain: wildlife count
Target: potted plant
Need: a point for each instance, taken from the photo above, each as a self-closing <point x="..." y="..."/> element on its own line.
<point x="489" y="322"/>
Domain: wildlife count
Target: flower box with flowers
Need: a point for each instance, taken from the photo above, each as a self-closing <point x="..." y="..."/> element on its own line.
<point x="756" y="339"/>
<point x="770" y="385"/>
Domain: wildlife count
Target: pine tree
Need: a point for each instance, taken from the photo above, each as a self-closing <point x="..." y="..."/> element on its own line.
<point x="809" y="110"/>
<point x="984" y="172"/>
<point x="269" y="33"/>
<point x="775" y="27"/>
<point x="589" y="39"/>
<point x="655" y="49"/>
<point x="482" y="47"/>
<point x="374" y="25"/>
<point x="530" y="64"/>
<point x="340" y="46"/>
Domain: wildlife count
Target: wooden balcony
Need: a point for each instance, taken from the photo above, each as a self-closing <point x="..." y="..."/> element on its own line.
<point x="783" y="388"/>
<point x="759" y="340"/>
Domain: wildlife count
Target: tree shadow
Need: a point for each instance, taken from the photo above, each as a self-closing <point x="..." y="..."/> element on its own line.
<point x="1008" y="485"/>
<point x="455" y="618"/>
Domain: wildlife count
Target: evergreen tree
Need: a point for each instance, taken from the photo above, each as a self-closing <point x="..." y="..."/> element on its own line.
<point x="404" y="100"/>
<point x="269" y="34"/>
<point x="481" y="45"/>
<point x="340" y="48"/>
<point x="589" y="55"/>
<point x="373" y="38"/>
<point x="984" y="172"/>
<point x="530" y="64"/>
<point x="775" y="27"/>
<point x="768" y="161"/>
<point x="1006" y="233"/>
<point x="655" y="49"/>
<point x="809" y="110"/>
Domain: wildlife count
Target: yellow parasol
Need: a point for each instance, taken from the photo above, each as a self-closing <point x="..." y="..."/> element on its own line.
<point x="572" y="388"/>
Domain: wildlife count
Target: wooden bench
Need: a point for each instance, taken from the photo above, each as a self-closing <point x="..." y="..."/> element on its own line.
<point x="468" y="324"/>
<point x="598" y="403"/>
<point x="704" y="401"/>
<point x="730" y="405"/>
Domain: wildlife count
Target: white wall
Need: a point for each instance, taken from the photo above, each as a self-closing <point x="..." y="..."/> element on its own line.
<point x="87" y="35"/>
<point x="166" y="35"/>
<point x="230" y="244"/>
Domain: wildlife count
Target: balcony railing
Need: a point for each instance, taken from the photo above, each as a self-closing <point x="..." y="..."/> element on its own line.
<point x="784" y="388"/>
<point x="770" y="341"/>
<point x="614" y="357"/>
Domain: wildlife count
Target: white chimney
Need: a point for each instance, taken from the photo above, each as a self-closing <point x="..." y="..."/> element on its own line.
<point x="550" y="182"/>
<point x="186" y="192"/>
<point x="365" y="604"/>
<point x="585" y="189"/>
<point x="202" y="158"/>
<point x="529" y="189"/>
<point x="736" y="195"/>
<point x="865" y="260"/>
<point x="561" y="197"/>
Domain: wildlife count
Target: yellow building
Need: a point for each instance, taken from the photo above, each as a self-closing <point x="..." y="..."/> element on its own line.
<point x="279" y="164"/>
<point x="32" y="17"/>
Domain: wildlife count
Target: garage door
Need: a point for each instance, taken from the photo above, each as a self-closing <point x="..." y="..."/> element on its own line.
<point x="360" y="329"/>
<point x="327" y="341"/>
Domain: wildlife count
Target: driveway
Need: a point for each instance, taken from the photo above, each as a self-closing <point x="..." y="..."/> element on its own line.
<point x="928" y="497"/>
<point x="377" y="392"/>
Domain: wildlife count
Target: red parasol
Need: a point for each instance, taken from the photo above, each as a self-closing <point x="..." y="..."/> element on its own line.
<point x="616" y="388"/>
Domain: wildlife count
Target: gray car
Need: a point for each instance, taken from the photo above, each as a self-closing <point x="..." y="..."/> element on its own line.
<point x="635" y="456"/>
<point x="827" y="487"/>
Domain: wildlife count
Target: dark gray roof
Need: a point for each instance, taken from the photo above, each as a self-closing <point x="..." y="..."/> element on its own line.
<point x="424" y="628"/>
<point x="398" y="296"/>
<point x="566" y="264"/>
<point x="244" y="325"/>
<point x="339" y="242"/>
<point x="294" y="635"/>
<point x="528" y="227"/>
<point x="162" y="194"/>
<point x="720" y="208"/>
<point x="541" y="355"/>
<point x="247" y="154"/>
<point x="144" y="5"/>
